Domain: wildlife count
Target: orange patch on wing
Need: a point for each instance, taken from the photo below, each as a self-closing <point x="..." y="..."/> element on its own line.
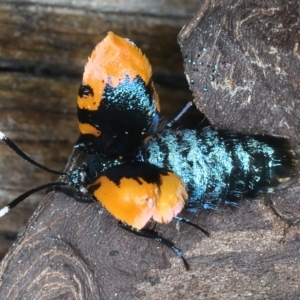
<point x="155" y="96"/>
<point x="86" y="128"/>
<point x="110" y="62"/>
<point x="131" y="202"/>
<point x="135" y="203"/>
<point x="172" y="198"/>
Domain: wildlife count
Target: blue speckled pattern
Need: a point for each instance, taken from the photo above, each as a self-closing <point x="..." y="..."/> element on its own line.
<point x="129" y="95"/>
<point x="126" y="116"/>
<point x="216" y="167"/>
<point x="219" y="167"/>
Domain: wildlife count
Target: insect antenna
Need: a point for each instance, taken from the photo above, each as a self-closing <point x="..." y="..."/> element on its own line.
<point x="22" y="197"/>
<point x="17" y="150"/>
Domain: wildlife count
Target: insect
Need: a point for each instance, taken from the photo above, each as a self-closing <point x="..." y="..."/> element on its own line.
<point x="118" y="106"/>
<point x="133" y="192"/>
<point x="179" y="169"/>
<point x="216" y="167"/>
<point x="139" y="172"/>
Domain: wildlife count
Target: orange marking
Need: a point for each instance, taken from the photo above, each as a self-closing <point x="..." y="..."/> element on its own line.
<point x="86" y="128"/>
<point x="112" y="59"/>
<point x="147" y="138"/>
<point x="132" y="203"/>
<point x="155" y="96"/>
<point x="135" y="203"/>
<point x="172" y="198"/>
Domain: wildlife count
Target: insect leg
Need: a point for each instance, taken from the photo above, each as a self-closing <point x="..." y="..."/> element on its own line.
<point x="151" y="234"/>
<point x="182" y="112"/>
<point x="187" y="221"/>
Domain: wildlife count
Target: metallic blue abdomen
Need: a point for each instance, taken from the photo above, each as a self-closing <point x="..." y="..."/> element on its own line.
<point x="219" y="167"/>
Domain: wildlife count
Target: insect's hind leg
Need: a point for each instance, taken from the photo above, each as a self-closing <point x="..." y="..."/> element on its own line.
<point x="151" y="234"/>
<point x="181" y="113"/>
<point x="188" y="222"/>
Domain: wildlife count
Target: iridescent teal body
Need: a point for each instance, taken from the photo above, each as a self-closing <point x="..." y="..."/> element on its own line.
<point x="126" y="116"/>
<point x="216" y="167"/>
<point x="220" y="167"/>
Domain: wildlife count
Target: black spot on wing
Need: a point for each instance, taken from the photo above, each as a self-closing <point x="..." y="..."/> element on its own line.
<point x="135" y="170"/>
<point x="85" y="91"/>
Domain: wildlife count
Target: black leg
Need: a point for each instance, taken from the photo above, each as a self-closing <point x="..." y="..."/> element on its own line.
<point x="187" y="221"/>
<point x="182" y="112"/>
<point x="151" y="234"/>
